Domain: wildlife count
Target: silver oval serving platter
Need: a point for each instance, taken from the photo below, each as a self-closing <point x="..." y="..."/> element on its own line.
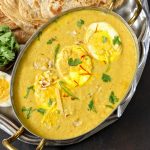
<point x="141" y="27"/>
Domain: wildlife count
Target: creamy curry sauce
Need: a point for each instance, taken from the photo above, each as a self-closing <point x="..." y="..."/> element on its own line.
<point x="74" y="74"/>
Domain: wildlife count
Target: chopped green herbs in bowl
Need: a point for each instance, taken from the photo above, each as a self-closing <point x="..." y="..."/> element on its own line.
<point x="9" y="48"/>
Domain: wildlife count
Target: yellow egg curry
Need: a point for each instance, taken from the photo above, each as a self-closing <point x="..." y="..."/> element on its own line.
<point x="74" y="74"/>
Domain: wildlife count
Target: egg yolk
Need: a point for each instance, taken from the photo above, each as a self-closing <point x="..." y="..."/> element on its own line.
<point x="78" y="74"/>
<point x="4" y="90"/>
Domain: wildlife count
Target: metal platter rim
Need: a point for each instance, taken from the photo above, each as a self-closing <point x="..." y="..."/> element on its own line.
<point x="9" y="127"/>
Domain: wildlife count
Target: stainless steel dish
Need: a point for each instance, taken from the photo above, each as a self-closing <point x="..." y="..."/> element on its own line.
<point x="142" y="33"/>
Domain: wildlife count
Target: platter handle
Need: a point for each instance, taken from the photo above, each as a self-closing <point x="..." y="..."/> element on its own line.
<point x="41" y="144"/>
<point x="7" y="142"/>
<point x="136" y="13"/>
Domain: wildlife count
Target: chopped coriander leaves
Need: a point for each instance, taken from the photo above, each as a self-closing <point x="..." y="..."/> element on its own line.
<point x="80" y="23"/>
<point x="30" y="88"/>
<point x="106" y="77"/>
<point x="91" y="106"/>
<point x="109" y="106"/>
<point x="112" y="98"/>
<point x="50" y="102"/>
<point x="67" y="90"/>
<point x="116" y="40"/>
<point x="74" y="62"/>
<point x="50" y="41"/>
<point x="57" y="48"/>
<point x="4" y="29"/>
<point x="8" y="46"/>
<point x="39" y="35"/>
<point x="27" y="111"/>
<point x="104" y="39"/>
<point x="41" y="111"/>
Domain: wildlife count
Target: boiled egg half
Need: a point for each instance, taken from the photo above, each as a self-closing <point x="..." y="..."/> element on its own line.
<point x="5" y="89"/>
<point x="74" y="65"/>
<point x="44" y="88"/>
<point x="103" y="42"/>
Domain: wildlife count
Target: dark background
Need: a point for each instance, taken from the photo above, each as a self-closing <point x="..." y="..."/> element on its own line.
<point x="130" y="132"/>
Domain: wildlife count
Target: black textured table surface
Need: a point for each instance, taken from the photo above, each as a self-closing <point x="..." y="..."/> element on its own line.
<point x="130" y="132"/>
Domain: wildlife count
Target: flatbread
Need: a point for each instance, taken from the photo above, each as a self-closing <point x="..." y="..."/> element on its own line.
<point x="11" y="9"/>
<point x="117" y="3"/>
<point x="28" y="15"/>
<point x="21" y="36"/>
<point x="31" y="12"/>
<point x="4" y="20"/>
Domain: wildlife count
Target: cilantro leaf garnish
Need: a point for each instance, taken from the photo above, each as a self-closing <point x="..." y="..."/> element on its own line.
<point x="8" y="46"/>
<point x="74" y="62"/>
<point x="109" y="106"/>
<point x="57" y="48"/>
<point x="80" y="23"/>
<point x="106" y="77"/>
<point x="50" y="41"/>
<point x="91" y="106"/>
<point x="41" y="111"/>
<point x="4" y="29"/>
<point x="67" y="90"/>
<point x="116" y="40"/>
<point x="28" y="91"/>
<point x="27" y="111"/>
<point x="50" y="102"/>
<point x="113" y="98"/>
